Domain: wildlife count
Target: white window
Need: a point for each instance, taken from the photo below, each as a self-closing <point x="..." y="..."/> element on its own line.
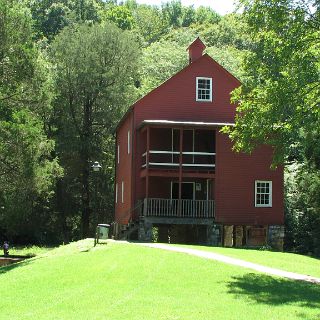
<point x="118" y="153"/>
<point x="128" y="141"/>
<point x="263" y="193"/>
<point x="122" y="191"/>
<point x="116" y="193"/>
<point x="204" y="89"/>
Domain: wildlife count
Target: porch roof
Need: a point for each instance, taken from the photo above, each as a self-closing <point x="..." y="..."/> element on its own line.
<point x="169" y="123"/>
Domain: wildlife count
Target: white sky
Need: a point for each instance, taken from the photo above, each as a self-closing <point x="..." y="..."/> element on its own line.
<point x="220" y="6"/>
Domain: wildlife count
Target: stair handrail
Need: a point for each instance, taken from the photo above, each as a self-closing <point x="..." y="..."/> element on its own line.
<point x="139" y="204"/>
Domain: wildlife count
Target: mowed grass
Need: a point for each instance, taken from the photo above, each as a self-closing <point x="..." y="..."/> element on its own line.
<point x="31" y="251"/>
<point x="127" y="281"/>
<point x="279" y="260"/>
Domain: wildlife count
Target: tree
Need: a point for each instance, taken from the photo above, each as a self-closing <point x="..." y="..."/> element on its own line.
<point x="159" y="62"/>
<point x="279" y="100"/>
<point x="205" y="15"/>
<point x="172" y="12"/>
<point x="95" y="71"/>
<point x="51" y="16"/>
<point x="121" y="16"/>
<point x="27" y="168"/>
<point x="150" y="23"/>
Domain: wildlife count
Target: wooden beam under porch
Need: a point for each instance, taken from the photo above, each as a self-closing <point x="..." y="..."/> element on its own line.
<point x="175" y="174"/>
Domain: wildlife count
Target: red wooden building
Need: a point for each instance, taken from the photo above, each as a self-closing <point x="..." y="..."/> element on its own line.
<point x="176" y="172"/>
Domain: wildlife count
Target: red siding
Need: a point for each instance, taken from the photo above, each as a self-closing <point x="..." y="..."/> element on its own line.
<point x="124" y="171"/>
<point x="235" y="183"/>
<point x="176" y="98"/>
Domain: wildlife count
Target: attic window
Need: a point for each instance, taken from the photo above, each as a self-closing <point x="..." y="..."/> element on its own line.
<point x="204" y="89"/>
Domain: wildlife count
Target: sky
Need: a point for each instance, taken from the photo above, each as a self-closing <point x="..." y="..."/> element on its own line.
<point x="220" y="6"/>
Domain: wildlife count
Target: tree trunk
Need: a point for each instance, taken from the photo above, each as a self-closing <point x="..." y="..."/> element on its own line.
<point x="60" y="205"/>
<point x="85" y="167"/>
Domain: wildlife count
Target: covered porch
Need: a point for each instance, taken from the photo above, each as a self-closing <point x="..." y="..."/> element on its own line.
<point x="177" y="168"/>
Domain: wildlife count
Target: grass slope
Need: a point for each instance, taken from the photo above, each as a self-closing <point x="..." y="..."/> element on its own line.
<point x="280" y="260"/>
<point x="125" y="281"/>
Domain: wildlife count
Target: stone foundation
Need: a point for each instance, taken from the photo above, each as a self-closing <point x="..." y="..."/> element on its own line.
<point x="215" y="235"/>
<point x="276" y="236"/>
<point x="238" y="236"/>
<point x="145" y="231"/>
<point x="228" y="236"/>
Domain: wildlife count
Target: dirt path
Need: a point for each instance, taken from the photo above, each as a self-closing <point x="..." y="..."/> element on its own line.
<point x="233" y="261"/>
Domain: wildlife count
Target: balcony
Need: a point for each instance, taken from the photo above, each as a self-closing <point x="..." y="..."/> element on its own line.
<point x="175" y="208"/>
<point x="189" y="149"/>
<point x="170" y="159"/>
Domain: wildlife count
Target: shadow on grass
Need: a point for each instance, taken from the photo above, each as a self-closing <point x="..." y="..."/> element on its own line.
<point x="7" y="268"/>
<point x="276" y="291"/>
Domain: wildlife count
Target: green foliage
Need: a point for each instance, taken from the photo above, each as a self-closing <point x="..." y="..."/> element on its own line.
<point x="150" y="23"/>
<point x="205" y="15"/>
<point x="27" y="168"/>
<point x="229" y="30"/>
<point x="159" y="62"/>
<point x="95" y="72"/>
<point x="230" y="58"/>
<point x="121" y="16"/>
<point x="279" y="101"/>
<point x="51" y="16"/>
<point x="302" y="209"/>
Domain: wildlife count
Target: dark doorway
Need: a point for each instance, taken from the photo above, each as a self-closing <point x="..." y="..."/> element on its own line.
<point x="187" y="190"/>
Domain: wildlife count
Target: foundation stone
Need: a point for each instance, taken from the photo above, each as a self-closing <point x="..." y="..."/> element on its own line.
<point x="276" y="236"/>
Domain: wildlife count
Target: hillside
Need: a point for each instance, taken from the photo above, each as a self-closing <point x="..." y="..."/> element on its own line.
<point x="125" y="281"/>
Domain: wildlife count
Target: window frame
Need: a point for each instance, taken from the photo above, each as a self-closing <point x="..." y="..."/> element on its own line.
<point x="116" y="192"/>
<point x="259" y="205"/>
<point x="122" y="191"/>
<point x="129" y="142"/>
<point x="197" y="89"/>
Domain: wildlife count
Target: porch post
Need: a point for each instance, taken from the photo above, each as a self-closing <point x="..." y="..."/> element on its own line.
<point x="180" y="170"/>
<point x="147" y="162"/>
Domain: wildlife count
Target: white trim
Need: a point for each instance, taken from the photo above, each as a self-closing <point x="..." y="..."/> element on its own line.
<point x="122" y="192"/>
<point x="192" y="145"/>
<point x="177" y="152"/>
<point x="188" y="123"/>
<point x="116" y="193"/>
<point x="183" y="165"/>
<point x="203" y="100"/>
<point x="172" y="145"/>
<point x="129" y="142"/>
<point x="118" y="153"/>
<point x="269" y="205"/>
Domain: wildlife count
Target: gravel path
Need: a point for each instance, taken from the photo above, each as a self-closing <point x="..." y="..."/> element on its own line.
<point x="233" y="261"/>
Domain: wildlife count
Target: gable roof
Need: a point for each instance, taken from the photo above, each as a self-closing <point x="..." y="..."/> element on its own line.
<point x="205" y="56"/>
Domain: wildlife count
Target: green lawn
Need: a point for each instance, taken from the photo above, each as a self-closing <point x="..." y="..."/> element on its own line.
<point x="280" y="260"/>
<point x="126" y="281"/>
<point x="28" y="251"/>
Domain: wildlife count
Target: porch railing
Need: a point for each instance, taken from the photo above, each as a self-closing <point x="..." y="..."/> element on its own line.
<point x="175" y="208"/>
<point x="161" y="158"/>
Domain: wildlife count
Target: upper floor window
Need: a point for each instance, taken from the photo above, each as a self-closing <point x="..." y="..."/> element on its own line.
<point x="204" y="89"/>
<point x="118" y="155"/>
<point x="263" y="193"/>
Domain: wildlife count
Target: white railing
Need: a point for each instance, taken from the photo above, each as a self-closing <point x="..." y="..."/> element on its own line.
<point x="173" y="161"/>
<point x="175" y="208"/>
